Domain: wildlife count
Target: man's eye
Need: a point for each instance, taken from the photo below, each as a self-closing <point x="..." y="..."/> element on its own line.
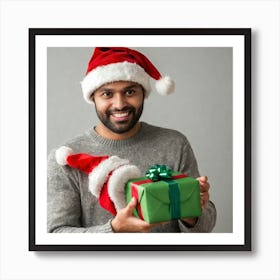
<point x="107" y="94"/>
<point x="130" y="92"/>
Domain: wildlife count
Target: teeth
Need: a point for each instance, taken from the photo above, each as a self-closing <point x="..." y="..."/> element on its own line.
<point x="120" y="115"/>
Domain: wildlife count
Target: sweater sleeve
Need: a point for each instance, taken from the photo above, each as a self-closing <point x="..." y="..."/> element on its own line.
<point x="188" y="165"/>
<point x="64" y="202"/>
<point x="188" y="162"/>
<point x="205" y="223"/>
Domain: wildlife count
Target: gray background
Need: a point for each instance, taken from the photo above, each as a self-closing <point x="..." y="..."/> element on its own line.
<point x="201" y="108"/>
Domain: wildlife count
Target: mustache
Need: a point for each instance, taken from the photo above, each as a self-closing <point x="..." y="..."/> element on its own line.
<point x="125" y="109"/>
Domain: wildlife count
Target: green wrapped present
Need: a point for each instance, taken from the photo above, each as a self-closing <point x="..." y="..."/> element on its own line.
<point x="164" y="195"/>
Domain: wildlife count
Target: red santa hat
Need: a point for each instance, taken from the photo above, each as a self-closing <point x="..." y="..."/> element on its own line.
<point x="113" y="64"/>
<point x="107" y="176"/>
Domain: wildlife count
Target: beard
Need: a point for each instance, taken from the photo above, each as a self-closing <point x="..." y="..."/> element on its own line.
<point x="120" y="127"/>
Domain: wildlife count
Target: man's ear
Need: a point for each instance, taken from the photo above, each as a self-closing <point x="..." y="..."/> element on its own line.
<point x="92" y="97"/>
<point x="143" y="91"/>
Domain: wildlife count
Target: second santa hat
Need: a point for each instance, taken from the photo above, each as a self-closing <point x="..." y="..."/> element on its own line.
<point x="122" y="64"/>
<point x="107" y="176"/>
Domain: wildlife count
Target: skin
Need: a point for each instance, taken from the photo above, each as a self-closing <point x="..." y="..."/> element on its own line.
<point x="119" y="106"/>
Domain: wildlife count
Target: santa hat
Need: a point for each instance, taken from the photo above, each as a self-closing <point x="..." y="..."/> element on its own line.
<point x="107" y="176"/>
<point x="123" y="64"/>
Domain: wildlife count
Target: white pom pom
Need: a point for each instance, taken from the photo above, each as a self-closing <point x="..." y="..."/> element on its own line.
<point x="165" y="86"/>
<point x="62" y="153"/>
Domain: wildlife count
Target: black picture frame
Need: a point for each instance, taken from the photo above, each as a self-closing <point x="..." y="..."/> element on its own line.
<point x="245" y="33"/>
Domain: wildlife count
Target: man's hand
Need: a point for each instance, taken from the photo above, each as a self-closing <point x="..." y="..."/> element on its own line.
<point x="126" y="222"/>
<point x="204" y="191"/>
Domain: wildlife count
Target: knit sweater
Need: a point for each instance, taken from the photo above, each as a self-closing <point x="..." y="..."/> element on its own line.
<point x="72" y="208"/>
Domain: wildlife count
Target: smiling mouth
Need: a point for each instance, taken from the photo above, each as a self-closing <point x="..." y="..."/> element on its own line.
<point x="121" y="116"/>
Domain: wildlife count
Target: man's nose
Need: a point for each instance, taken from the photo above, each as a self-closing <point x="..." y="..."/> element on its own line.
<point x="119" y="101"/>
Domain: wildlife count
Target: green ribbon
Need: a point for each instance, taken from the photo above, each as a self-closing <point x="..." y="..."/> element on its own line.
<point x="161" y="172"/>
<point x="158" y="172"/>
<point x="174" y="197"/>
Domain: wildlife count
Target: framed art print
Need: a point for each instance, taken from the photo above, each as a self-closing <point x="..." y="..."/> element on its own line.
<point x="211" y="106"/>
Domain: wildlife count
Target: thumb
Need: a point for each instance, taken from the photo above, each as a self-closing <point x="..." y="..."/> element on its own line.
<point x="203" y="179"/>
<point x="131" y="205"/>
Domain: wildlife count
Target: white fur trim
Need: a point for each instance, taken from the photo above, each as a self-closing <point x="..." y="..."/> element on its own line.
<point x="62" y="153"/>
<point x="99" y="175"/>
<point x="121" y="71"/>
<point x="165" y="86"/>
<point x="117" y="182"/>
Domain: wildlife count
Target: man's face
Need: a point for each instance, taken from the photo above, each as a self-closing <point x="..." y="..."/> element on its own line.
<point x="119" y="105"/>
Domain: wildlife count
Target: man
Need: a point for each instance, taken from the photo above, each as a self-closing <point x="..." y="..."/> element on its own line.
<point x="116" y="83"/>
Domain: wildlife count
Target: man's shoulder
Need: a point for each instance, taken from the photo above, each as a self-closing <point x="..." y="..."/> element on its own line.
<point x="165" y="132"/>
<point x="76" y="142"/>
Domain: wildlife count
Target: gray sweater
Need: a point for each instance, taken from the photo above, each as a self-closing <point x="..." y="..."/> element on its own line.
<point x="72" y="208"/>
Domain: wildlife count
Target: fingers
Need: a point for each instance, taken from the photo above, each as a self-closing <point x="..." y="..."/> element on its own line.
<point x="144" y="226"/>
<point x="136" y="224"/>
<point x="131" y="205"/>
<point x="203" y="179"/>
<point x="204" y="198"/>
<point x="203" y="182"/>
<point x="204" y="191"/>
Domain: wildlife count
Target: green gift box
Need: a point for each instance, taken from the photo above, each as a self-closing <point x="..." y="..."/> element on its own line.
<point x="164" y="198"/>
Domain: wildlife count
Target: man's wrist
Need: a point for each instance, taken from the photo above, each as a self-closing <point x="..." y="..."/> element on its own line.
<point x="112" y="226"/>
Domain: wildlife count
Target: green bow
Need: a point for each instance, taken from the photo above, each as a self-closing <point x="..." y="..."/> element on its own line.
<point x="158" y="172"/>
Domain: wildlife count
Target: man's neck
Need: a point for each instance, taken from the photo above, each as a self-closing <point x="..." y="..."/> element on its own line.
<point x="108" y="134"/>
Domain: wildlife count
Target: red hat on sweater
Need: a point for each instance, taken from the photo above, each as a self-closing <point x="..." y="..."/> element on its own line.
<point x="107" y="176"/>
<point x="122" y="64"/>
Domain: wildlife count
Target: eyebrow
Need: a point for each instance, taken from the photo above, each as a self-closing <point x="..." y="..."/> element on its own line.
<point x="130" y="87"/>
<point x="105" y="88"/>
